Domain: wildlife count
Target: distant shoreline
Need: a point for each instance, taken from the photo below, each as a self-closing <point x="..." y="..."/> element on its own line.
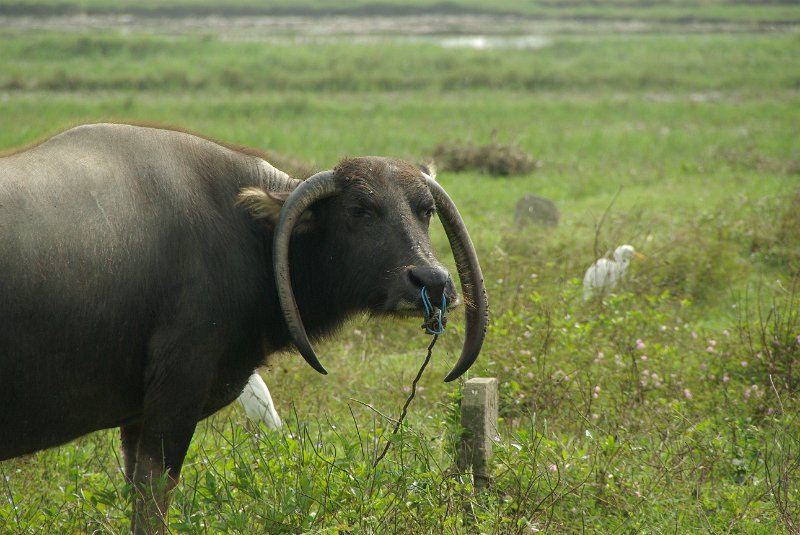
<point x="356" y="23"/>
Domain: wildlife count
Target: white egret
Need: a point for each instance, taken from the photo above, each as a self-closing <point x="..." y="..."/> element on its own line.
<point x="604" y="275"/>
<point x="257" y="402"/>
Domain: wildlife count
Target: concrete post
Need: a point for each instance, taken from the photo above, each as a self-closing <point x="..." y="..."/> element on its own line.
<point x="479" y="420"/>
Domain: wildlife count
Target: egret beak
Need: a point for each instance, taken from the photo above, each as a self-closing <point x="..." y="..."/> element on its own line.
<point x="639" y="255"/>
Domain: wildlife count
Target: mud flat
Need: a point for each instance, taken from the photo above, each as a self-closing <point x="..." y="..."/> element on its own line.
<point x="523" y="30"/>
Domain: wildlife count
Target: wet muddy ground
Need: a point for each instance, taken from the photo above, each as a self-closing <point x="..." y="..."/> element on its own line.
<point x="455" y="30"/>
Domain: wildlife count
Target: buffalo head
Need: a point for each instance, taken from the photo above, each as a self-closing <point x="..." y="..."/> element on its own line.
<point x="374" y="214"/>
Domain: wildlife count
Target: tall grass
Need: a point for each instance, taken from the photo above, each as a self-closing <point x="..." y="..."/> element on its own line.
<point x="670" y="406"/>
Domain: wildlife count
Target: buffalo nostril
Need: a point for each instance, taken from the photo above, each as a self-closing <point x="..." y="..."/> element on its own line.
<point x="434" y="279"/>
<point x="415" y="280"/>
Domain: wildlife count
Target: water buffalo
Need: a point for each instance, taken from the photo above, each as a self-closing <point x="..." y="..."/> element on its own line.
<point x="146" y="272"/>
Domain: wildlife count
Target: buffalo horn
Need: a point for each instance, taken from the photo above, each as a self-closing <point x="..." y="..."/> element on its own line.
<point x="309" y="191"/>
<point x="475" y="301"/>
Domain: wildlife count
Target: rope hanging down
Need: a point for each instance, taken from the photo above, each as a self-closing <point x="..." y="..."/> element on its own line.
<point x="435" y="322"/>
<point x="408" y="401"/>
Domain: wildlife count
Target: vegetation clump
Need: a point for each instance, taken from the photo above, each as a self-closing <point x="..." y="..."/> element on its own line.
<point x="496" y="159"/>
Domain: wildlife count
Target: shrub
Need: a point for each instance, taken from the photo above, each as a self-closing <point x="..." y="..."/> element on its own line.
<point x="496" y="159"/>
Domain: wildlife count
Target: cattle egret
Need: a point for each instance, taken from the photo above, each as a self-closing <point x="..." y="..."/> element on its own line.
<point x="604" y="275"/>
<point x="258" y="404"/>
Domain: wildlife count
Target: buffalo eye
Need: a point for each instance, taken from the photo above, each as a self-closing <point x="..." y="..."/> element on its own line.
<point x="358" y="212"/>
<point x="428" y="213"/>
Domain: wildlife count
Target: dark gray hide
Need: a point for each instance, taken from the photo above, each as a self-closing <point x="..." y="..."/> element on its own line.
<point x="136" y="292"/>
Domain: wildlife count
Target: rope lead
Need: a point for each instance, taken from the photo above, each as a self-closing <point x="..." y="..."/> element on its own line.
<point x="435" y="321"/>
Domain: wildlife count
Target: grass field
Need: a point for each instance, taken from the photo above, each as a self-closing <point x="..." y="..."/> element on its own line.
<point x="671" y="407"/>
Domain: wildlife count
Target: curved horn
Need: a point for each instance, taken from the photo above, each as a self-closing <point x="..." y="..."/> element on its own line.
<point x="475" y="300"/>
<point x="311" y="190"/>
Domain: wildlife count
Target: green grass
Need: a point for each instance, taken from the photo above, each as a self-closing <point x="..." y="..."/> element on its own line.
<point x="655" y="63"/>
<point x="685" y="145"/>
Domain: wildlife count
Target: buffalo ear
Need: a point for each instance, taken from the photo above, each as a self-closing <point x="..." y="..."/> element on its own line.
<point x="265" y="207"/>
<point x="429" y="168"/>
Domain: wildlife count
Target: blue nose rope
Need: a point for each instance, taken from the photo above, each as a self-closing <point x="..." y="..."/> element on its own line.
<point x="434" y="322"/>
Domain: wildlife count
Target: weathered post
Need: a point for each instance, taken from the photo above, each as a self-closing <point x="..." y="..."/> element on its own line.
<point x="479" y="420"/>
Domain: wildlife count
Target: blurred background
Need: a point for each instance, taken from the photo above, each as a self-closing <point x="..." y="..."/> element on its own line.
<point x="562" y="129"/>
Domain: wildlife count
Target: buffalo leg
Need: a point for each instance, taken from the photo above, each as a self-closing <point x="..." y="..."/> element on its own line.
<point x="166" y="428"/>
<point x="158" y="465"/>
<point x="129" y="434"/>
<point x="178" y="381"/>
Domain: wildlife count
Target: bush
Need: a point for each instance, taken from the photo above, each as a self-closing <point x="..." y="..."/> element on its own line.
<point x="496" y="159"/>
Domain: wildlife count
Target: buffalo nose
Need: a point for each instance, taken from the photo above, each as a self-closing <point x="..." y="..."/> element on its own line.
<point x="432" y="278"/>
